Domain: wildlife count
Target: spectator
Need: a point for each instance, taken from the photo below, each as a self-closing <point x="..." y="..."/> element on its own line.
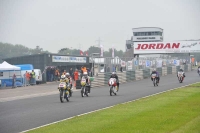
<point x="71" y="72"/>
<point x="51" y="74"/>
<point x="88" y="71"/>
<point x="14" y="81"/>
<point x="48" y="74"/>
<point x="91" y="72"/>
<point x="76" y="77"/>
<point x="121" y="70"/>
<point x="28" y="76"/>
<point x="33" y="81"/>
<point x="56" y="75"/>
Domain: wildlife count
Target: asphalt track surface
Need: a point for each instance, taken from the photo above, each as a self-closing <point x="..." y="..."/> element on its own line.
<point x="18" y="115"/>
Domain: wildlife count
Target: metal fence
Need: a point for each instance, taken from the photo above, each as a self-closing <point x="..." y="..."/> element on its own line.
<point x="109" y="64"/>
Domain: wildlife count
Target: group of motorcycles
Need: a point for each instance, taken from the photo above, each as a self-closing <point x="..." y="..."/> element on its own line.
<point x="180" y="78"/>
<point x="65" y="89"/>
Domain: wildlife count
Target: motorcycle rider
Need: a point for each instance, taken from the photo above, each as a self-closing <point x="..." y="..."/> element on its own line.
<point x="85" y="76"/>
<point x="198" y="69"/>
<point x="181" y="70"/>
<point x="63" y="79"/>
<point x="70" y="81"/>
<point x="114" y="75"/>
<point x="157" y="75"/>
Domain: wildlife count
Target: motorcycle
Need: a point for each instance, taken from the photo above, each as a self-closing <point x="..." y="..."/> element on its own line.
<point x="155" y="80"/>
<point x="113" y="86"/>
<point x="84" y="88"/>
<point x="180" y="77"/>
<point x="64" y="89"/>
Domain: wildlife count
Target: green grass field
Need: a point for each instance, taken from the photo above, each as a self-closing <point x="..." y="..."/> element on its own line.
<point x="176" y="111"/>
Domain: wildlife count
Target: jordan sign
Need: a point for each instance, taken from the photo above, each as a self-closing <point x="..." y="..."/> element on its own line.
<point x="166" y="47"/>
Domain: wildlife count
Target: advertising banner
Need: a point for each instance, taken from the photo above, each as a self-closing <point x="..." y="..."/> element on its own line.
<point x="68" y="59"/>
<point x="176" y="62"/>
<point x="166" y="47"/>
<point x="159" y="63"/>
<point x="136" y="63"/>
<point x="129" y="65"/>
<point x="123" y="63"/>
<point x="148" y="64"/>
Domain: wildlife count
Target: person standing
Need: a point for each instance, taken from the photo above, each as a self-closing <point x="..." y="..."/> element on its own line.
<point x="75" y="77"/>
<point x="14" y="81"/>
<point x="33" y="81"/>
<point x="71" y="72"/>
<point x="121" y="69"/>
<point x="28" y="78"/>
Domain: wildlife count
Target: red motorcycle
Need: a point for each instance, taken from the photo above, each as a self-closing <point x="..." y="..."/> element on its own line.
<point x="113" y="86"/>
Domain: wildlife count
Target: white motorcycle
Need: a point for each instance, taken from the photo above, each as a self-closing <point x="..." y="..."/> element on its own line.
<point x="84" y="88"/>
<point x="180" y="77"/>
<point x="64" y="89"/>
<point x="155" y="80"/>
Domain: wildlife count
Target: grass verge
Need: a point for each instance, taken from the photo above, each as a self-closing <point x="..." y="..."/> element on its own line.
<point x="176" y="111"/>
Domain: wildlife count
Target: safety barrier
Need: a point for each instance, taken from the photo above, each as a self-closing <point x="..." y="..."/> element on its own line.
<point x="127" y="76"/>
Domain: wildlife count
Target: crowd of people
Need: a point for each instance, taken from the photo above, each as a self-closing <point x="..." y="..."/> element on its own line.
<point x="29" y="79"/>
<point x="55" y="73"/>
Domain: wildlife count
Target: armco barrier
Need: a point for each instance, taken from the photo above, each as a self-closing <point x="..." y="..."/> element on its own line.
<point x="159" y="70"/>
<point x="138" y="74"/>
<point x="169" y="70"/>
<point x="122" y="77"/>
<point x="186" y="68"/>
<point x="164" y="71"/>
<point x="126" y="76"/>
<point x="174" y="70"/>
<point x="146" y="73"/>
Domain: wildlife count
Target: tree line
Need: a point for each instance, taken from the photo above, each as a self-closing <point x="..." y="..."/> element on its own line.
<point x="8" y="50"/>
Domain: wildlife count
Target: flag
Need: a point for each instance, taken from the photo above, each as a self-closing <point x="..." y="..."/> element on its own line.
<point x="101" y="46"/>
<point x="81" y="52"/>
<point x="113" y="50"/>
<point x="86" y="53"/>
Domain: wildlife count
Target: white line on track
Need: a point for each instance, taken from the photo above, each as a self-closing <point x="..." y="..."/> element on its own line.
<point x="105" y="108"/>
<point x="28" y="96"/>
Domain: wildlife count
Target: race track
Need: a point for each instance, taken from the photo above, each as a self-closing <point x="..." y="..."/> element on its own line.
<point x="23" y="114"/>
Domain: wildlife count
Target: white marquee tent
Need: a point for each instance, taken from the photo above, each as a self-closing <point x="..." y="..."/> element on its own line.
<point x="6" y="66"/>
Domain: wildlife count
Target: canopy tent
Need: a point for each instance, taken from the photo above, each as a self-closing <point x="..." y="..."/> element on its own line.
<point x="7" y="70"/>
<point x="6" y="66"/>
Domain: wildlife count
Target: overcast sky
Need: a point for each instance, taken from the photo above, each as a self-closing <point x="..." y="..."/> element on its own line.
<point x="55" y="24"/>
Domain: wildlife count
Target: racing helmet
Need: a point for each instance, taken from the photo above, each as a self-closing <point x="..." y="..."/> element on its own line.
<point x="113" y="73"/>
<point x="85" y="74"/>
<point x="62" y="77"/>
<point x="67" y="75"/>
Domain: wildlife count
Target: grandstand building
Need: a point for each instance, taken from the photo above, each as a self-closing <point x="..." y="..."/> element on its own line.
<point x="143" y="34"/>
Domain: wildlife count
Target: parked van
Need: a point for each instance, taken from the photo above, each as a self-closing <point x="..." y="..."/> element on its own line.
<point x="38" y="76"/>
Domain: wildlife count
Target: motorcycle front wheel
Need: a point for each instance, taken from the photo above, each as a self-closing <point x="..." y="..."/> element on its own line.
<point x="111" y="91"/>
<point x="154" y="82"/>
<point x="180" y="80"/>
<point x="83" y="91"/>
<point x="67" y="96"/>
<point x="61" y="96"/>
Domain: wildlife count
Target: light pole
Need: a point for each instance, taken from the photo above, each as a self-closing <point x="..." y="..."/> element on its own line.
<point x="93" y="55"/>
